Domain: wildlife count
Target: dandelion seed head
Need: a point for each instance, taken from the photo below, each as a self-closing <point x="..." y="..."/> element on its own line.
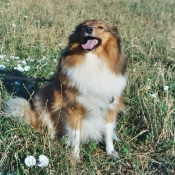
<point x="43" y="161"/>
<point x="30" y="161"/>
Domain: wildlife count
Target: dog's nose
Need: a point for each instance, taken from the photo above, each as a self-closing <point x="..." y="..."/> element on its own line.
<point x="89" y="30"/>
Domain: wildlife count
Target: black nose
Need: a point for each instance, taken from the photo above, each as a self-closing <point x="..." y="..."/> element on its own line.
<point x="89" y="30"/>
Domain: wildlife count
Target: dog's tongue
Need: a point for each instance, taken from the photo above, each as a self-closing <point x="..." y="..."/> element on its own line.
<point x="90" y="44"/>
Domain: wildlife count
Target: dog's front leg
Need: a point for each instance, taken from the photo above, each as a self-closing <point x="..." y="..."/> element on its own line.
<point x="74" y="132"/>
<point x="109" y="134"/>
<point x="75" y="144"/>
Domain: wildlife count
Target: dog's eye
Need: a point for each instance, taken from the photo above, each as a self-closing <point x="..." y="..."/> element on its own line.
<point x="84" y="26"/>
<point x="100" y="27"/>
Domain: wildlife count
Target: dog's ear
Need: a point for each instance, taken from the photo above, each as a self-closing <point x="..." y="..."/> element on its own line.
<point x="114" y="30"/>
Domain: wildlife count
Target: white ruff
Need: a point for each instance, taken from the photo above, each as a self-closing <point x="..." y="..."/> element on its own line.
<point x="94" y="77"/>
<point x="97" y="86"/>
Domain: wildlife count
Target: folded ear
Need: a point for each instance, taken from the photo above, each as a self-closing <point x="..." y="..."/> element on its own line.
<point x="114" y="29"/>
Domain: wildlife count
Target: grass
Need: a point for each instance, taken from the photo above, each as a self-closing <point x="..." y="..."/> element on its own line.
<point x="39" y="29"/>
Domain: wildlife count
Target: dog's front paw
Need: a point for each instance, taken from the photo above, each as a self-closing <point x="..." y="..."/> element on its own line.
<point x="114" y="155"/>
<point x="75" y="158"/>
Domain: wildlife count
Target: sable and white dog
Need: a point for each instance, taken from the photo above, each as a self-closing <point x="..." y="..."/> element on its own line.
<point x="83" y="100"/>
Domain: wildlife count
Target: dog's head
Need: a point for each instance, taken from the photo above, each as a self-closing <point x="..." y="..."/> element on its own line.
<point x="92" y="34"/>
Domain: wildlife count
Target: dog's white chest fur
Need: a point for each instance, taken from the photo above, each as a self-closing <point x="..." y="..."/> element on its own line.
<point x="94" y="77"/>
<point x="97" y="86"/>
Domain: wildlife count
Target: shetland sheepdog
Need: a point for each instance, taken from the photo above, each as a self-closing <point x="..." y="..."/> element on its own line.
<point x="83" y="100"/>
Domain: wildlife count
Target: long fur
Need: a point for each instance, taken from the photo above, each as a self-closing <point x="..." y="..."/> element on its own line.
<point x="83" y="100"/>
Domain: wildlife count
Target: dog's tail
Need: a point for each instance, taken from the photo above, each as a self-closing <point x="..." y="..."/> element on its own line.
<point x="19" y="107"/>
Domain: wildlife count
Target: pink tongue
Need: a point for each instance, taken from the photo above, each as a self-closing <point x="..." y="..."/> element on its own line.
<point x="89" y="44"/>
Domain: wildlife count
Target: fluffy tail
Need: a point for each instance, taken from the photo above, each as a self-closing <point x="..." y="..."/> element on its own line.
<point x="18" y="107"/>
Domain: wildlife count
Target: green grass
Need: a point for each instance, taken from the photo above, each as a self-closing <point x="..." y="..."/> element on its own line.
<point x="146" y="127"/>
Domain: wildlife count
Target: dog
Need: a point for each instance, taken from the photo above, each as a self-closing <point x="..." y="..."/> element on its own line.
<point x="83" y="100"/>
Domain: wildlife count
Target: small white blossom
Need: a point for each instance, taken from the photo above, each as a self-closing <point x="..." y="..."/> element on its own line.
<point x="2" y="56"/>
<point x="148" y="87"/>
<point x="43" y="161"/>
<point x="165" y="88"/>
<point x="12" y="57"/>
<point x="134" y="70"/>
<point x="153" y="95"/>
<point x="2" y="67"/>
<point x="32" y="60"/>
<point x="24" y="62"/>
<point x="19" y="65"/>
<point x="54" y="60"/>
<point x="61" y="44"/>
<point x="172" y="47"/>
<point x="51" y="73"/>
<point x="26" y="17"/>
<point x="14" y="25"/>
<point x="8" y="3"/>
<point x="19" y="68"/>
<point x="30" y="161"/>
<point x="42" y="60"/>
<point x="17" y="58"/>
<point x="26" y="68"/>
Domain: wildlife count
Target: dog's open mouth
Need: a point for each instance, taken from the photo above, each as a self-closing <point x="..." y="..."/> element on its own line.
<point x="90" y="43"/>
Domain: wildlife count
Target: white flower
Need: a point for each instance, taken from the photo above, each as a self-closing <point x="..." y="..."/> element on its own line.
<point x="61" y="44"/>
<point x="41" y="61"/>
<point x="30" y="59"/>
<point x="19" y="65"/>
<point x="2" y="56"/>
<point x="134" y="70"/>
<point x="148" y="87"/>
<point x="172" y="47"/>
<point x="26" y="68"/>
<point x="12" y="57"/>
<point x="153" y="95"/>
<point x="165" y="88"/>
<point x="30" y="161"/>
<point x="54" y="60"/>
<point x="26" y="17"/>
<point x="19" y="68"/>
<point x="43" y="161"/>
<point x="51" y="73"/>
<point x="13" y="25"/>
<point x="2" y="67"/>
<point x="17" y="58"/>
<point x="23" y="62"/>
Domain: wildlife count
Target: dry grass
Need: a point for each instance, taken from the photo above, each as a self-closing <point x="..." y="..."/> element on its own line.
<point x="147" y="127"/>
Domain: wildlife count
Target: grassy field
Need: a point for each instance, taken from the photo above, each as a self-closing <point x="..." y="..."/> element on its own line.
<point x="33" y="32"/>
